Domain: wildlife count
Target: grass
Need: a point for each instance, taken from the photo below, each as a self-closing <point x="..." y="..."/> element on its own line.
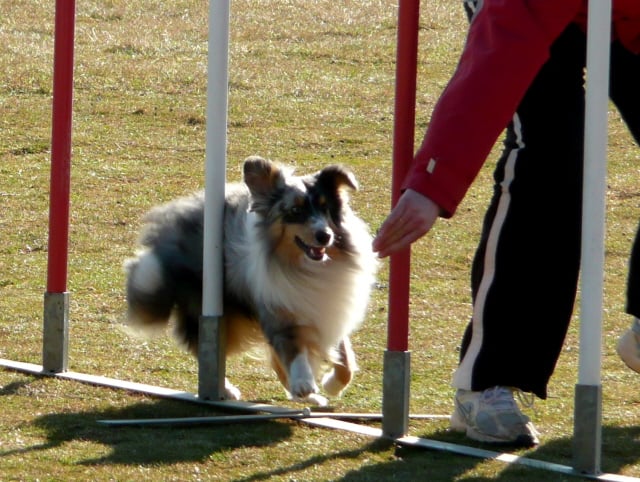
<point x="311" y="83"/>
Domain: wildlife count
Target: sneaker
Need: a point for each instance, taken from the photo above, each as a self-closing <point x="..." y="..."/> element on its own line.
<point x="493" y="416"/>
<point x="629" y="349"/>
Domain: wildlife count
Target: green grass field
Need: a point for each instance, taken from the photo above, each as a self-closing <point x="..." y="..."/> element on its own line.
<point x="311" y="83"/>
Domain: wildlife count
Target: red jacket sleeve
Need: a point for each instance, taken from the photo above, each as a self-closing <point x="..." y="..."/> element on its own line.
<point x="507" y="43"/>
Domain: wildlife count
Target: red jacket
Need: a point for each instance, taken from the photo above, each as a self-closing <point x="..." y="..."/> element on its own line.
<point x="507" y="43"/>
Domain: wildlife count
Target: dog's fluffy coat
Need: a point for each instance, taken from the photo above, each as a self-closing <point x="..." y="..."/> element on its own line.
<point x="298" y="273"/>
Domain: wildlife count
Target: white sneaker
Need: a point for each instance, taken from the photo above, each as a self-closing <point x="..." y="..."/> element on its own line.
<point x="629" y="349"/>
<point x="493" y="416"/>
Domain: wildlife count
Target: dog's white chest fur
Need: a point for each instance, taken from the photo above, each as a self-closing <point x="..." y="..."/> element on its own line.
<point x="330" y="295"/>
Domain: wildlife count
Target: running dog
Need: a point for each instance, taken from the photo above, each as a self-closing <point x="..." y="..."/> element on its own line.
<point x="298" y="273"/>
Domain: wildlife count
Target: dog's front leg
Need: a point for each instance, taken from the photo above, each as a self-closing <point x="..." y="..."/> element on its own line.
<point x="301" y="382"/>
<point x="293" y="356"/>
<point x="339" y="378"/>
<point x="287" y="341"/>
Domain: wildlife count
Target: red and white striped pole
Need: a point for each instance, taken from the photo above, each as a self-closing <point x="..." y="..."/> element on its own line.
<point x="56" y="301"/>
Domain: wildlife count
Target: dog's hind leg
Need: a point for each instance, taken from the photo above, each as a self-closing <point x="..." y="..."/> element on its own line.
<point x="231" y="392"/>
<point x="186" y="328"/>
<point x="341" y="375"/>
<point x="186" y="333"/>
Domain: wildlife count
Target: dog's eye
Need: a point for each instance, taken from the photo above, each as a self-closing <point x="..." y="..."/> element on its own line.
<point x="295" y="214"/>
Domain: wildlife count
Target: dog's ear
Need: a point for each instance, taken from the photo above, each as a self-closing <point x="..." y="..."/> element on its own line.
<point x="262" y="177"/>
<point x="337" y="179"/>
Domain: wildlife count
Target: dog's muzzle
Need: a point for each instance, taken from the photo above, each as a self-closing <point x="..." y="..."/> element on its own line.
<point x="317" y="252"/>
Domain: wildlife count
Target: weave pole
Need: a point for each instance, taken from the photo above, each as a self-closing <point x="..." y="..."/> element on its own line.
<point x="397" y="358"/>
<point x="587" y="428"/>
<point x="55" y="342"/>
<point x="398" y="339"/>
<point x="211" y="339"/>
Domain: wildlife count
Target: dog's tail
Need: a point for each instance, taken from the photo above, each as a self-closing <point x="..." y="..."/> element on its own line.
<point x="150" y="297"/>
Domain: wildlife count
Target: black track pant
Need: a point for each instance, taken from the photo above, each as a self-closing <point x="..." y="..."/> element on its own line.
<point x="525" y="271"/>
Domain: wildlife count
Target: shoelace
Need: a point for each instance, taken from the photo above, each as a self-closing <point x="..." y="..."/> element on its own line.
<point x="526" y="399"/>
<point x="503" y="398"/>
<point x="499" y="397"/>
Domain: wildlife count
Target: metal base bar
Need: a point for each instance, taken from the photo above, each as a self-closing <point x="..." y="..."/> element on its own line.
<point x="55" y="342"/>
<point x="225" y="419"/>
<point x="395" y="393"/>
<point x="318" y="422"/>
<point x="587" y="429"/>
<point x="215" y="420"/>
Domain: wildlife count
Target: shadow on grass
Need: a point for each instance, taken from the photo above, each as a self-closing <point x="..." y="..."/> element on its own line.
<point x="137" y="444"/>
<point x="377" y="445"/>
<point x="165" y="445"/>
<point x="620" y="449"/>
<point x="13" y="387"/>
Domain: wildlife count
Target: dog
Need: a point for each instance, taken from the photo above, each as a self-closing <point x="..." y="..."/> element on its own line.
<point x="298" y="273"/>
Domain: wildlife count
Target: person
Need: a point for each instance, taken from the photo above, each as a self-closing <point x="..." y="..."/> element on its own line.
<point x="629" y="346"/>
<point x="522" y="67"/>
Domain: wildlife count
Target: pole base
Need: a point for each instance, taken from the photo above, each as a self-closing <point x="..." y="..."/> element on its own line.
<point x="395" y="393"/>
<point x="587" y="429"/>
<point x="211" y="358"/>
<point x="55" y="340"/>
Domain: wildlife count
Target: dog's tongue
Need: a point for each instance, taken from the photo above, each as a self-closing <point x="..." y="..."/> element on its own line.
<point x="316" y="253"/>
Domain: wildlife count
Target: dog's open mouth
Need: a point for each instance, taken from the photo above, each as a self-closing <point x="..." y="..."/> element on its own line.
<point x="315" y="253"/>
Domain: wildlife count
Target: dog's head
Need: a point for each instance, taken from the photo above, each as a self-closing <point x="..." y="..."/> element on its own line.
<point x="304" y="217"/>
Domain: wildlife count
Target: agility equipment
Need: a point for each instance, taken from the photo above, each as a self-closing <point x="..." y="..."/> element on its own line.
<point x="56" y="299"/>
<point x="396" y="371"/>
<point x="211" y="336"/>
<point x="587" y="420"/>
<point x="397" y="358"/>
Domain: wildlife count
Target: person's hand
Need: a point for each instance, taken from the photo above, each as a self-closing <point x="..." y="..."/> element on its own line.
<point x="411" y="218"/>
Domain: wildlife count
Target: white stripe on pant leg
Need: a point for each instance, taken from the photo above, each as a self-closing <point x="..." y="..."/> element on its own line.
<point x="462" y="376"/>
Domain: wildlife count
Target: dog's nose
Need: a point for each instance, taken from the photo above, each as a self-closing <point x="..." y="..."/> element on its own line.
<point x="323" y="237"/>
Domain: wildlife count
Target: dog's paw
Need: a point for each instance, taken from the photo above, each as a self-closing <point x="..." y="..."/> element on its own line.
<point x="231" y="392"/>
<point x="316" y="399"/>
<point x="301" y="381"/>
<point x="332" y="385"/>
<point x="313" y="399"/>
<point x="301" y="388"/>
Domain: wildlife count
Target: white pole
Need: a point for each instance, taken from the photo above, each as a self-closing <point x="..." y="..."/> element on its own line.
<point x="595" y="183"/>
<point x="216" y="150"/>
<point x="587" y="428"/>
<point x="210" y="352"/>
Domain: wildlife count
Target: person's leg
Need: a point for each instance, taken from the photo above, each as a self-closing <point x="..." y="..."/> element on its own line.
<point x="629" y="343"/>
<point x="525" y="270"/>
<point x="625" y="77"/>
